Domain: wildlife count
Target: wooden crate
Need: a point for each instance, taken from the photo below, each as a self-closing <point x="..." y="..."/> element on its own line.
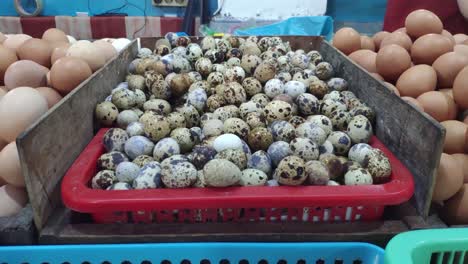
<point x="51" y="145"/>
<point x="18" y="229"/>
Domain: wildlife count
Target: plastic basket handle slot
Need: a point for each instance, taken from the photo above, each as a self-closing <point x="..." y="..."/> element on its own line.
<point x="449" y="257"/>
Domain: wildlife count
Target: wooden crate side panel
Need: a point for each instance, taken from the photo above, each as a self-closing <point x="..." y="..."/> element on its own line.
<point x="49" y="147"/>
<point x="413" y="136"/>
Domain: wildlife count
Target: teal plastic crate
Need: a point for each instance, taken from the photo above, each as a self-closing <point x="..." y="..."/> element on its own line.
<point x="197" y="253"/>
<point x="433" y="246"/>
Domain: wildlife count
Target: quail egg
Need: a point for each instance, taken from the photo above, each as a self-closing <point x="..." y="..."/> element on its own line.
<point x="341" y="142"/>
<point x="253" y="177"/>
<point x="358" y="177"/>
<point x="308" y="104"/>
<point x="282" y="131"/>
<point x="277" y="110"/>
<point x="378" y="165"/>
<point x="317" y="173"/>
<point x="236" y="156"/>
<point x="185" y="138"/>
<point x="221" y="173"/>
<point x="142" y="160"/>
<point x="178" y="174"/>
<point x="359" y="129"/>
<point x="324" y="70"/>
<point x="338" y="84"/>
<point x="106" y="113"/>
<point x="114" y="139"/>
<point x="109" y="161"/>
<point x="201" y="155"/>
<point x="260" y="138"/>
<point x="312" y="132"/>
<point x="149" y="177"/>
<point x="290" y="171"/>
<point x="358" y="152"/>
<point x="294" y="88"/>
<point x="318" y="88"/>
<point x="103" y="179"/>
<point x="304" y="148"/>
<point x="273" y="88"/>
<point x="278" y="151"/>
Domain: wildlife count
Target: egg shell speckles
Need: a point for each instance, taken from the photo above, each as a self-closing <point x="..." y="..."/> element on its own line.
<point x="156" y="126"/>
<point x="311" y="131"/>
<point x="226" y="112"/>
<point x="160" y="106"/>
<point x="318" y="88"/>
<point x="336" y="96"/>
<point x="203" y="66"/>
<point x="213" y="127"/>
<point x="193" y="52"/>
<point x="197" y="98"/>
<point x="234" y="62"/>
<point x="359" y="129"/>
<point x="337" y="84"/>
<point x="341" y="142"/>
<point x="358" y="177"/>
<point x="321" y="121"/>
<point x="201" y="155"/>
<point x="237" y="127"/>
<point x="264" y="72"/>
<point x="176" y="120"/>
<point x="221" y="173"/>
<point x="317" y="173"/>
<point x="109" y="161"/>
<point x="161" y="89"/>
<point x="335" y="166"/>
<point x="135" y="129"/>
<point x="142" y="160"/>
<point x="260" y="160"/>
<point x="378" y="166"/>
<point x="119" y="186"/>
<point x="278" y="151"/>
<point x="340" y="119"/>
<point x="294" y="88"/>
<point x="180" y="174"/>
<point x="200" y="183"/>
<point x="103" y="179"/>
<point x="290" y="171"/>
<point x="260" y="138"/>
<point x="227" y="141"/>
<point x="328" y="106"/>
<point x="307" y="104"/>
<point x="296" y="121"/>
<point x="277" y="110"/>
<point x="185" y="138"/>
<point x="114" y="139"/>
<point x="304" y="148"/>
<point x="249" y="63"/>
<point x="300" y="60"/>
<point x="261" y="99"/>
<point x="255" y="120"/>
<point x="236" y="156"/>
<point x="363" y="110"/>
<point x="234" y="74"/>
<point x="253" y="177"/>
<point x="326" y="148"/>
<point x="150" y="78"/>
<point x="282" y="131"/>
<point x="273" y="88"/>
<point x="252" y="86"/>
<point x="138" y="145"/>
<point x="126" y="117"/>
<point x="126" y="171"/>
<point x="249" y="107"/>
<point x="358" y="152"/>
<point x="215" y="79"/>
<point x="106" y="113"/>
<point x="192" y="117"/>
<point x="149" y="177"/>
<point x="165" y="148"/>
<point x="234" y="93"/>
<point x="124" y="99"/>
<point x="324" y="71"/>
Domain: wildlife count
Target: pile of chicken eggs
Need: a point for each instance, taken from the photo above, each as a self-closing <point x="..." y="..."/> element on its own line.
<point x="234" y="112"/>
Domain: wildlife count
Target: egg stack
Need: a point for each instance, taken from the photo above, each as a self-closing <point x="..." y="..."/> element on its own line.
<point x="428" y="67"/>
<point x="34" y="75"/>
<point x="234" y="112"/>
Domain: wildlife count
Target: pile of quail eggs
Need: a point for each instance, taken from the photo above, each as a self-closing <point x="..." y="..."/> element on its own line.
<point x="234" y="112"/>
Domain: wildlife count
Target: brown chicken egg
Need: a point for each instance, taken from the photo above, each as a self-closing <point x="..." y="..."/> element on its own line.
<point x="447" y="67"/>
<point x="459" y="38"/>
<point x="52" y="96"/>
<point x="421" y="22"/>
<point x="461" y="49"/>
<point x="55" y="35"/>
<point x="462" y="160"/>
<point x="392" y="88"/>
<point x="413" y="102"/>
<point x="449" y="179"/>
<point x="435" y="104"/>
<point x="377" y="76"/>
<point x="399" y="38"/>
<point x="26" y="105"/>
<point x="367" y="43"/>
<point x="11" y="166"/>
<point x="455" y="136"/>
<point x="69" y="72"/>
<point x="2" y="37"/>
<point x="417" y="80"/>
<point x="366" y="58"/>
<point x="391" y="61"/>
<point x="12" y="200"/>
<point x="347" y="40"/>
<point x="447" y="91"/>
<point x="426" y="49"/>
<point x="15" y="41"/>
<point x="88" y="52"/>
<point x="452" y="106"/>
<point x="460" y="88"/>
<point x="7" y="57"/>
<point x="378" y="37"/>
<point x="36" y="50"/>
<point x="455" y="210"/>
<point x="59" y="52"/>
<point x="25" y="73"/>
<point x="106" y="48"/>
<point x="448" y="35"/>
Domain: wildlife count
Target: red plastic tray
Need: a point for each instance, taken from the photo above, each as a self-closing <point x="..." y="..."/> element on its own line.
<point x="283" y="203"/>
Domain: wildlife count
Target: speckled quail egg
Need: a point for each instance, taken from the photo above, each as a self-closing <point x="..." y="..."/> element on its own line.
<point x="193" y="52"/>
<point x="185" y="138"/>
<point x="304" y="148"/>
<point x="219" y="68"/>
<point x="149" y="177"/>
<point x="165" y="148"/>
<point x="131" y="69"/>
<point x="227" y="141"/>
<point x="135" y="129"/>
<point x="249" y="107"/>
<point x="315" y="56"/>
<point x="340" y="119"/>
<point x="161" y="90"/>
<point x="337" y="84"/>
<point x="201" y="85"/>
<point x="318" y="88"/>
<point x="181" y="64"/>
<point x="156" y="126"/>
<point x="114" y="139"/>
<point x="317" y="173"/>
<point x="312" y="132"/>
<point x="223" y="45"/>
<point x="358" y="152"/>
<point x="307" y="104"/>
<point x="335" y="95"/>
<point x="221" y="173"/>
<point x="213" y="127"/>
<point x="106" y="113"/>
<point x="255" y="120"/>
<point x="160" y="106"/>
<point x="136" y="82"/>
<point x="263" y="43"/>
<point x="219" y="89"/>
<point x="174" y="159"/>
<point x="250" y="48"/>
<point x="341" y="142"/>
<point x="277" y="110"/>
<point x="260" y="160"/>
<point x="283" y="63"/>
<point x="249" y="63"/>
<point x="252" y="86"/>
<point x="290" y="171"/>
<point x="269" y="55"/>
<point x="206" y="117"/>
<point x="176" y="120"/>
<point x="208" y="43"/>
<point x="234" y="74"/>
<point x="285" y="98"/>
<point x="182" y="41"/>
<point x="335" y="166"/>
<point x="179" y="84"/>
<point x="324" y="70"/>
<point x="294" y="88"/>
<point x="169" y="77"/>
<point x="234" y="93"/>
<point x="282" y="130"/>
<point x="232" y="62"/>
<point x="225" y="112"/>
<point x="260" y="138"/>
<point x="146" y="64"/>
<point x="201" y="155"/>
<point x="261" y="99"/>
<point x="237" y="127"/>
<point x="142" y="160"/>
<point x="378" y="165"/>
<point x="110" y="160"/>
<point x="253" y="177"/>
<point x="300" y="61"/>
<point x="200" y="183"/>
<point x="363" y="110"/>
<point x="215" y="56"/>
<point x="359" y="129"/>
<point x="119" y="186"/>
<point x="352" y="103"/>
<point x="124" y="99"/>
<point x="322" y="121"/>
<point x="328" y="106"/>
<point x="204" y="66"/>
<point x="283" y="76"/>
<point x="103" y="179"/>
<point x="264" y="72"/>
<point x="126" y="171"/>
<point x="178" y="174"/>
<point x="296" y="120"/>
<point x="351" y="165"/>
<point x="358" y="177"/>
<point x="162" y="50"/>
<point x="194" y="77"/>
<point x="278" y="151"/>
<point x="236" y="156"/>
<point x="197" y="98"/>
<point x="192" y="117"/>
<point x="138" y="145"/>
<point x="273" y="88"/>
<point x="326" y="148"/>
<point x="214" y="102"/>
<point x="215" y="78"/>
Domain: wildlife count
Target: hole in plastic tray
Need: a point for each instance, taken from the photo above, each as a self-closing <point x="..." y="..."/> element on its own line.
<point x="205" y="261"/>
<point x="263" y="261"/>
<point x="244" y="261"/>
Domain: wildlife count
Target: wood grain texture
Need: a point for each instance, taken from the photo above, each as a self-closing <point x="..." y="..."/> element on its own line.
<point x="50" y="145"/>
<point x="18" y="229"/>
<point x="413" y="136"/>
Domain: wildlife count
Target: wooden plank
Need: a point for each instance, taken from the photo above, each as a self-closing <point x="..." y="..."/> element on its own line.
<point x="64" y="231"/>
<point x="413" y="136"/>
<point x="50" y="145"/>
<point x="18" y="229"/>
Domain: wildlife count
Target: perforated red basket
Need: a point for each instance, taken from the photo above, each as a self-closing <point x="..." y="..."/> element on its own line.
<point x="243" y="204"/>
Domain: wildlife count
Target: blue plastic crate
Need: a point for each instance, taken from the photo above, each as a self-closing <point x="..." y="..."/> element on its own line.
<point x="197" y="253"/>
